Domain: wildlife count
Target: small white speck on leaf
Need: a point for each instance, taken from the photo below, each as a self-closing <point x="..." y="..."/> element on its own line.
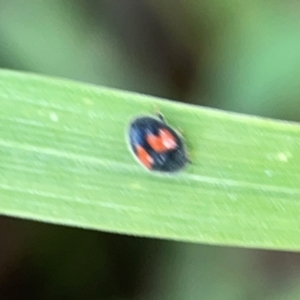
<point x="88" y="101"/>
<point x="284" y="157"/>
<point x="53" y="117"/>
<point x="268" y="173"/>
<point x="232" y="197"/>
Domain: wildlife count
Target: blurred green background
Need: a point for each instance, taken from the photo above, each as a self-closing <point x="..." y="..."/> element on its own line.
<point x="235" y="55"/>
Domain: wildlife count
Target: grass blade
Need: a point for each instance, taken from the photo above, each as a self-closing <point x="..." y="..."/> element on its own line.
<point x="64" y="160"/>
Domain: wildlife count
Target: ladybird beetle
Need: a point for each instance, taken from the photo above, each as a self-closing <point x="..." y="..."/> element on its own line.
<point x="156" y="145"/>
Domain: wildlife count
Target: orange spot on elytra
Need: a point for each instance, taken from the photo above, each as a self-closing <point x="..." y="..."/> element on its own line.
<point x="144" y="157"/>
<point x="155" y="143"/>
<point x="168" y="139"/>
<point x="164" y="142"/>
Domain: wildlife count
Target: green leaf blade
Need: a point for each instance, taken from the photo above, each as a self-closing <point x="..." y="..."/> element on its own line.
<point x="64" y="159"/>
